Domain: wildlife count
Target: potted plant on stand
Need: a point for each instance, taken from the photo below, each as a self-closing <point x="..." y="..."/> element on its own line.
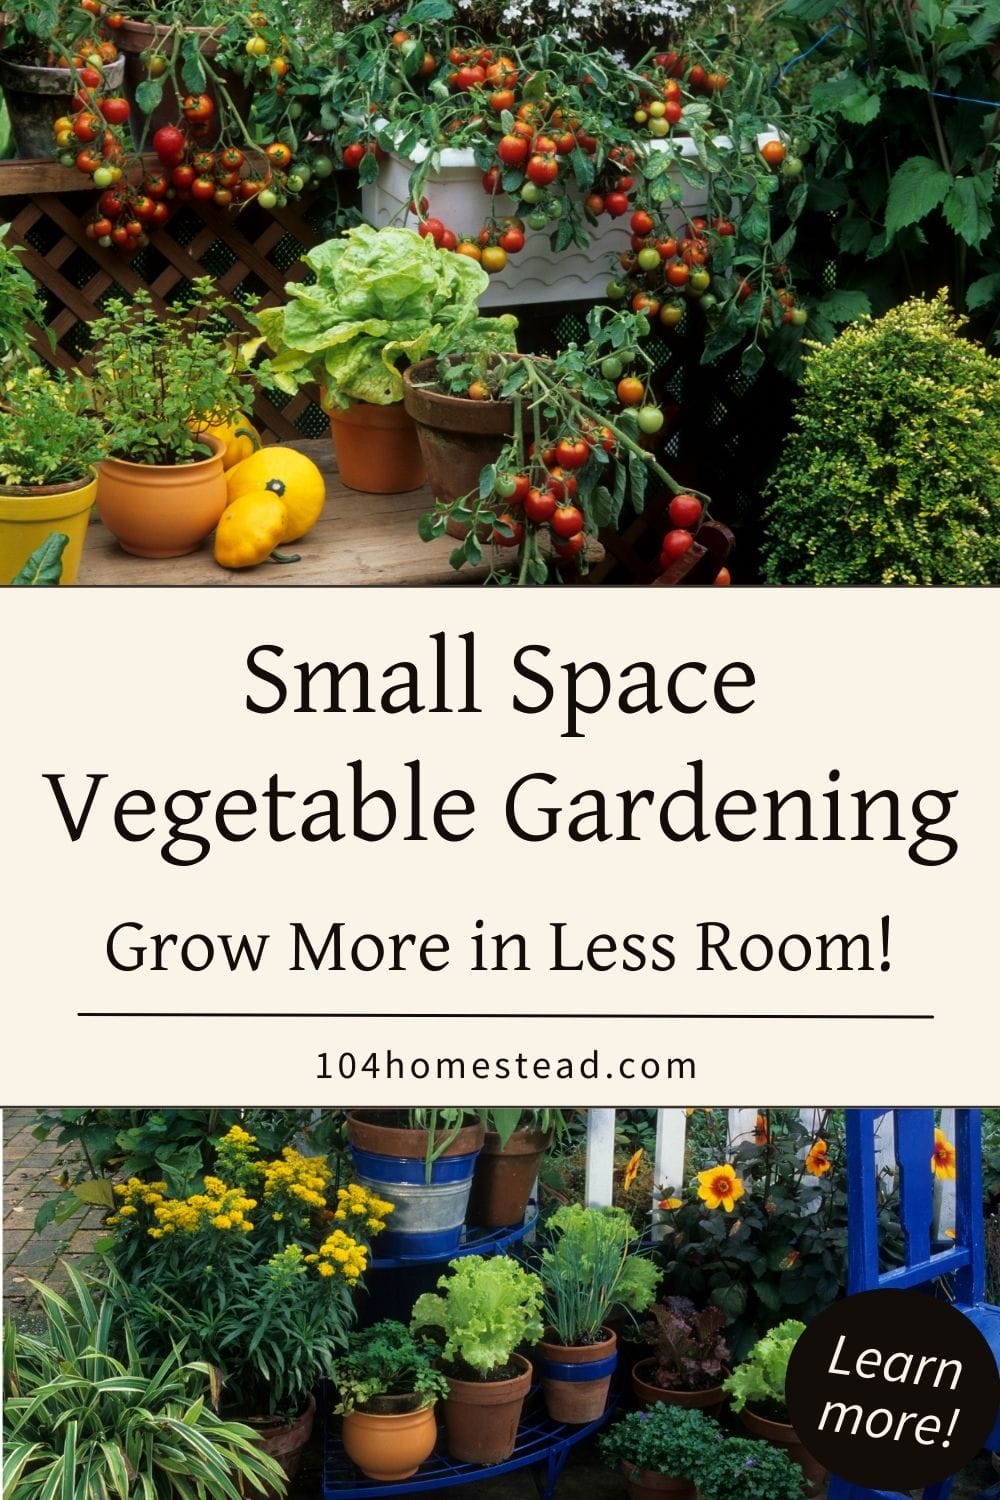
<point x="162" y="489"/>
<point x="588" y="1270"/>
<point x="381" y="298"/>
<point x="253" y="1274"/>
<point x="688" y="1363"/>
<point x="757" y="1390"/>
<point x="516" y="1140"/>
<point x="423" y="1160"/>
<point x="485" y="1309"/>
<point x="660" y="1451"/>
<point x="49" y="444"/>
<point x="50" y="53"/>
<point x="388" y="1386"/>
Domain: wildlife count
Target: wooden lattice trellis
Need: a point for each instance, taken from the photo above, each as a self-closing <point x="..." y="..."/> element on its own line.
<point x="250" y="255"/>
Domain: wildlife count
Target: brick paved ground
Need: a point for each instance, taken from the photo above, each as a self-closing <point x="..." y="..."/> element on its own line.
<point x="30" y="1168"/>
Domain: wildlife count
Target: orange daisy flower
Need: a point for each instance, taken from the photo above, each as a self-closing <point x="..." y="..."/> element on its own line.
<point x="943" y="1157"/>
<point x="669" y="1204"/>
<point x="720" y="1187"/>
<point x="632" y="1170"/>
<point x="817" y="1162"/>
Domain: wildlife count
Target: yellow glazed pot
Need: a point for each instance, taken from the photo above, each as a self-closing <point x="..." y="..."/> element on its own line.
<point x="28" y="517"/>
<point x="162" y="511"/>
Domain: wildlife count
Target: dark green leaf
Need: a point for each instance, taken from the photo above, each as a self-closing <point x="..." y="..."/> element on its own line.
<point x="44" y="567"/>
<point x="148" y="94"/>
<point x="983" y="292"/>
<point x="192" y="67"/>
<point x="968" y="209"/>
<point x="844" y="307"/>
<point x="487" y="480"/>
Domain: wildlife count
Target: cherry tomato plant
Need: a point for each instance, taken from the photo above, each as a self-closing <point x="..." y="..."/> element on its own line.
<point x="577" y="455"/>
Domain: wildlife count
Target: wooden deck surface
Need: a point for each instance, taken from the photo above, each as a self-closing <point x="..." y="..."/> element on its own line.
<point x="359" y="539"/>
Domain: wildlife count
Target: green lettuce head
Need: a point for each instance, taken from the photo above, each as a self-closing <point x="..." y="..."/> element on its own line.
<point x="380" y="298"/>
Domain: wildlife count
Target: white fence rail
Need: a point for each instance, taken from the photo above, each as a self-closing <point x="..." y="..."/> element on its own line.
<point x="671" y="1139"/>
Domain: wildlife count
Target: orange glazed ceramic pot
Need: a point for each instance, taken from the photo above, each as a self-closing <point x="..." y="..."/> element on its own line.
<point x="162" y="511"/>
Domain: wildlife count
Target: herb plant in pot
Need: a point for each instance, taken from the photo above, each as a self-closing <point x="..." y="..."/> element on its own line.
<point x="747" y="1469"/>
<point x="484" y="1309"/>
<point x="660" y="1451"/>
<point x="422" y="1160"/>
<point x="49" y="444"/>
<point x="388" y="1386"/>
<point x="688" y="1364"/>
<point x="381" y="298"/>
<point x="163" y="488"/>
<point x="757" y="1390"/>
<point x="588" y="1270"/>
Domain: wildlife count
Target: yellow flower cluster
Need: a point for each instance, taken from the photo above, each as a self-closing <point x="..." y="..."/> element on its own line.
<point x="340" y="1254"/>
<point x="136" y="1194"/>
<point x="304" y="1178"/>
<point x="218" y="1207"/>
<point x="356" y="1202"/>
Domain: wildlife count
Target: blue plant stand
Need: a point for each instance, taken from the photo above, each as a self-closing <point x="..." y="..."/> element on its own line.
<point x="539" y="1441"/>
<point x="474" y="1242"/>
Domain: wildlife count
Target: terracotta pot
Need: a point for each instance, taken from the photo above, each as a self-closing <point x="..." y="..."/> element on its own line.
<point x="783" y="1435"/>
<point x="573" y="1393"/>
<point x="458" y="437"/>
<point x="377" y="449"/>
<point x="482" y="1416"/>
<point x="390" y="1160"/>
<point x="389" y="1446"/>
<point x="37" y="97"/>
<point x="709" y="1401"/>
<point x="284" y="1441"/>
<point x="644" y="1484"/>
<point x="164" y="511"/>
<point x="136" y="37"/>
<point x="28" y="516"/>
<point x="504" y="1177"/>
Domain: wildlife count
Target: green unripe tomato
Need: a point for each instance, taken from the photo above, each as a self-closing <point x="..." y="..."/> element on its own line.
<point x="323" y="166"/>
<point x="656" y="109"/>
<point x="649" y="418"/>
<point x="555" y="208"/>
<point x="295" y="182"/>
<point x="538" y="219"/>
<point x="267" y="198"/>
<point x="611" y="367"/>
<point x="103" y="177"/>
<point x="699" y="281"/>
<point x="615" y="290"/>
<point x="791" y="166"/>
<point x="105" y="242"/>
<point x="659" y="128"/>
<point x="648" y="258"/>
<point x="530" y="192"/>
<point x="708" y="302"/>
<point x="295" y="110"/>
<point x="799" y="317"/>
<point x="505" y="485"/>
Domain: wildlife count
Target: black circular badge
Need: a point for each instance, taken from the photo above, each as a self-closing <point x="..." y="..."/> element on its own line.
<point x="892" y="1389"/>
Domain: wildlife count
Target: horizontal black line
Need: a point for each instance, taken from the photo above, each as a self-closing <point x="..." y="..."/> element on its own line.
<point x="476" y="1015"/>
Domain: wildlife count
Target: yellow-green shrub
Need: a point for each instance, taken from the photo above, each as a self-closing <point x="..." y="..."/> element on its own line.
<point x="893" y="472"/>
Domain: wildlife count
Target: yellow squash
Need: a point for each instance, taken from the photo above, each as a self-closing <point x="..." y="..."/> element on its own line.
<point x="251" y="527"/>
<point x="240" y="437"/>
<point x="304" y="491"/>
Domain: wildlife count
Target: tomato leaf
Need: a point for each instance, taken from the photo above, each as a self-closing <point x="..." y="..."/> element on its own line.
<point x="917" y="187"/>
<point x="148" y="94"/>
<point x="192" y="68"/>
<point x="487" y="480"/>
<point x="44" y="566"/>
<point x="604" y="510"/>
<point x="368" y="169"/>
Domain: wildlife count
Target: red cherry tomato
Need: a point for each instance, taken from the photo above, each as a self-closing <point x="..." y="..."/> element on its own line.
<point x="684" y="511"/>
<point x="567" y="520"/>
<point x="675" y="544"/>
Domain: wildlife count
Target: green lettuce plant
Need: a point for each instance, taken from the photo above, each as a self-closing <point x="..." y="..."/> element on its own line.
<point x="759" y="1381"/>
<point x="380" y="297"/>
<point x="588" y="1268"/>
<point x="892" y="474"/>
<point x="486" y="1307"/>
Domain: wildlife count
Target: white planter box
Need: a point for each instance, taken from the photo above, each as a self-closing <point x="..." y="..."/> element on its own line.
<point x="536" y="274"/>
